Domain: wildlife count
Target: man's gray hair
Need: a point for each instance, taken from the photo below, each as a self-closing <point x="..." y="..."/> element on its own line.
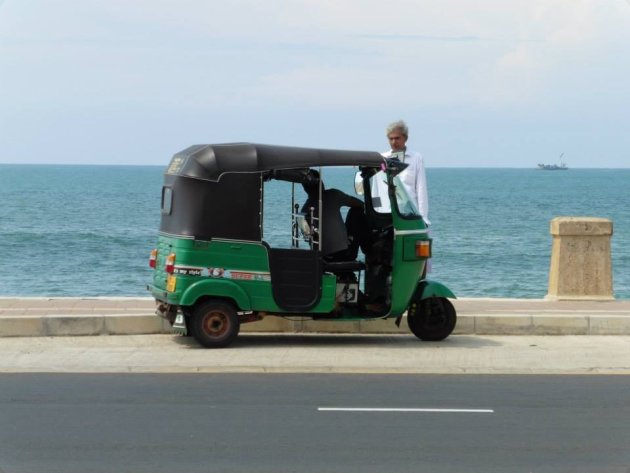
<point x="398" y="125"/>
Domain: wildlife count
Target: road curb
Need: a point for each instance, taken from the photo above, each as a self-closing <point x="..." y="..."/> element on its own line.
<point x="139" y="324"/>
<point x="69" y="316"/>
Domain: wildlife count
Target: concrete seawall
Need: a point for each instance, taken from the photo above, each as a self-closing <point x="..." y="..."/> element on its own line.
<point x="45" y="317"/>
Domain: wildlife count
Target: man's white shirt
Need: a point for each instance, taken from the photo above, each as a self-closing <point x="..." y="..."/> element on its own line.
<point x="415" y="181"/>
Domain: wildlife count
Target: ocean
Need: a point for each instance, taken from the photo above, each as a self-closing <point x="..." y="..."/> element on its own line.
<point x="88" y="230"/>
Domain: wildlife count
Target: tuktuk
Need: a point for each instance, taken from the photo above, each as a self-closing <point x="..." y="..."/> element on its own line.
<point x="214" y="268"/>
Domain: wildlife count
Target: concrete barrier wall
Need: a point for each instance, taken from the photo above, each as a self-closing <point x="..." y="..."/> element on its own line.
<point x="581" y="266"/>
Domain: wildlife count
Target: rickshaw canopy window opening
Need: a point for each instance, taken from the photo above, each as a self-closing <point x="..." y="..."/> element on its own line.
<point x="167" y="200"/>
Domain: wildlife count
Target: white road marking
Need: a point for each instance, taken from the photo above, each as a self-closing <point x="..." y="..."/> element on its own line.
<point x="404" y="409"/>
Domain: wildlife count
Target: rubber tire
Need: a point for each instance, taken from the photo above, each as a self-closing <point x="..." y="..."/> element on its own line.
<point x="214" y="324"/>
<point x="432" y="319"/>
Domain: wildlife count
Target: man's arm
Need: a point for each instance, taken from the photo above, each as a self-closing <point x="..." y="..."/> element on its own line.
<point x="345" y="200"/>
<point x="422" y="194"/>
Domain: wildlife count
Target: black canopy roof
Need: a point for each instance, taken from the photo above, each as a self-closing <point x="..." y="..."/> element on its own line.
<point x="209" y="162"/>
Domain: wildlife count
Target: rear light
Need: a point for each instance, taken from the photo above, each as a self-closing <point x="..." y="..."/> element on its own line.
<point x="423" y="249"/>
<point x="169" y="267"/>
<point x="153" y="258"/>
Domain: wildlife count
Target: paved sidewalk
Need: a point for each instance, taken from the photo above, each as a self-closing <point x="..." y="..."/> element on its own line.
<point x="26" y="317"/>
<point x="319" y="353"/>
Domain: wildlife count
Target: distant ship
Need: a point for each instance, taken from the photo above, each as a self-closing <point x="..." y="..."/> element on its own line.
<point x="554" y="167"/>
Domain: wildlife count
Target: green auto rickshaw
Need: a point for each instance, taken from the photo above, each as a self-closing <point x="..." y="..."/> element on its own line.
<point x="214" y="269"/>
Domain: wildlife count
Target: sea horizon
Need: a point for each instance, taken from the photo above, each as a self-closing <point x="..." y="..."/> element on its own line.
<point x="535" y="167"/>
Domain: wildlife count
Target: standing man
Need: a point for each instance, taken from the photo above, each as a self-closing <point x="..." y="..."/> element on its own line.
<point x="413" y="177"/>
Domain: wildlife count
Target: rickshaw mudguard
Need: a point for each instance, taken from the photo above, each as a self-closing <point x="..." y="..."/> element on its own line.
<point x="428" y="288"/>
<point x="216" y="288"/>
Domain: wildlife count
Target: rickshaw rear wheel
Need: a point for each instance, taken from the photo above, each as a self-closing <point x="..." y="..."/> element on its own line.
<point x="432" y="319"/>
<point x="215" y="324"/>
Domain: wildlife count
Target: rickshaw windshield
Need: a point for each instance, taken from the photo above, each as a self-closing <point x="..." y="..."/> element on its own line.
<point x="380" y="197"/>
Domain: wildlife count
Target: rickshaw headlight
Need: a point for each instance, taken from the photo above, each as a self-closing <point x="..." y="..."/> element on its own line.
<point x="169" y="267"/>
<point x="423" y="249"/>
<point x="153" y="258"/>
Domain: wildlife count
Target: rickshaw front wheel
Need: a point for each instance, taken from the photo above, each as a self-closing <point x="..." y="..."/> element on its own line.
<point x="214" y="324"/>
<point x="432" y="319"/>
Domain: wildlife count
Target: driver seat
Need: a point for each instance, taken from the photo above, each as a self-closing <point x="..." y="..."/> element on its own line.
<point x="337" y="267"/>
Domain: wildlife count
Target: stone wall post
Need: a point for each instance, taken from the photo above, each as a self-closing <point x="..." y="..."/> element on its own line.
<point x="581" y="265"/>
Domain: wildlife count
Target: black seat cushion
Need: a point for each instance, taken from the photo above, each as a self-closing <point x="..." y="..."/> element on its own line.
<point x="343" y="266"/>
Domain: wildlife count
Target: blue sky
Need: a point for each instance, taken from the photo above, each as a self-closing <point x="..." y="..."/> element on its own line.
<point x="498" y="83"/>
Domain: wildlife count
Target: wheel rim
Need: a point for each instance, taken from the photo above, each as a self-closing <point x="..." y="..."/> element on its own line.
<point x="215" y="323"/>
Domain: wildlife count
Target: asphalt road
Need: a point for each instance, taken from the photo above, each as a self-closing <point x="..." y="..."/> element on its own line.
<point x="310" y="423"/>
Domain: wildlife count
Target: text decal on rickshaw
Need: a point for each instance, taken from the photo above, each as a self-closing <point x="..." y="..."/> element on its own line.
<point x="221" y="273"/>
<point x="248" y="276"/>
<point x="176" y="165"/>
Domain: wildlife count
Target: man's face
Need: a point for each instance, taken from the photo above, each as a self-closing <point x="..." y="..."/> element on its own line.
<point x="397" y="140"/>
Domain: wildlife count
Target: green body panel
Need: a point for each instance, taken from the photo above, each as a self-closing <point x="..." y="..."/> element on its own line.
<point x="258" y="294"/>
<point x="217" y="288"/>
<point x="229" y="257"/>
<point x="407" y="268"/>
<point x="428" y="289"/>
<point x="231" y="254"/>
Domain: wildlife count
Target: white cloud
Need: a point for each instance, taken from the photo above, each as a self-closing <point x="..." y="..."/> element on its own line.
<point x="247" y="57"/>
<point x="318" y="52"/>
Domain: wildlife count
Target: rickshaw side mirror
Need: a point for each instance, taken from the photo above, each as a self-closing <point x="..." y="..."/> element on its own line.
<point x="395" y="166"/>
